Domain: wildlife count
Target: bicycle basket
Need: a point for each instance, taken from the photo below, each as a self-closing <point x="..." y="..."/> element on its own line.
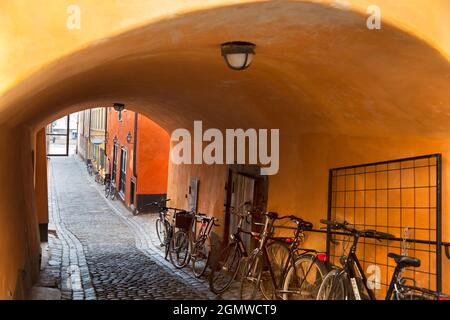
<point x="183" y="220"/>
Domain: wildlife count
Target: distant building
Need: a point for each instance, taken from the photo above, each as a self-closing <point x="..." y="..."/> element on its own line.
<point x="138" y="151"/>
<point x="92" y="126"/>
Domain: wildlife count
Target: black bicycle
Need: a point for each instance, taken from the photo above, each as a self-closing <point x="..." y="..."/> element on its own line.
<point x="295" y="274"/>
<point x="350" y="283"/>
<point x="110" y="189"/>
<point x="162" y="223"/>
<point x="200" y="244"/>
<point x="165" y="229"/>
<point x="224" y="271"/>
<point x="107" y="184"/>
<point x="89" y="167"/>
<point x="99" y="178"/>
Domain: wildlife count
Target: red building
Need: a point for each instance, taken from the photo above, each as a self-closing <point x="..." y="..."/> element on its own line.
<point x="138" y="154"/>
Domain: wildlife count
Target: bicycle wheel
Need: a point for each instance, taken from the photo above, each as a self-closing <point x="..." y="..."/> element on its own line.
<point x="179" y="249"/>
<point x="161" y="232"/>
<point x="303" y="279"/>
<point x="332" y="287"/>
<point x="251" y="279"/>
<point x="107" y="192"/>
<point x="112" y="193"/>
<point x="278" y="254"/>
<point x="201" y="252"/>
<point x="225" y="269"/>
<point x="169" y="237"/>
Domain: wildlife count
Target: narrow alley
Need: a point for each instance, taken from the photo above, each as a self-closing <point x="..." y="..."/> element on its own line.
<point x="99" y="250"/>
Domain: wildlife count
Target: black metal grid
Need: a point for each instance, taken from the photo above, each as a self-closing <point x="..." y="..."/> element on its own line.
<point x="388" y="197"/>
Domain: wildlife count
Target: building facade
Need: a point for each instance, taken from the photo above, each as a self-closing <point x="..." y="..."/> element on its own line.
<point x="92" y="127"/>
<point x="138" y="153"/>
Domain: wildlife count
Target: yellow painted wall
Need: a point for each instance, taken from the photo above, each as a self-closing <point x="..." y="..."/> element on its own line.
<point x="316" y="154"/>
<point x="34" y="33"/>
<point x="19" y="236"/>
<point x="301" y="187"/>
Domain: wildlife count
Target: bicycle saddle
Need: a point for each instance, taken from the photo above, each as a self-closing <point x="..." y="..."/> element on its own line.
<point x="272" y="215"/>
<point x="305" y="225"/>
<point x="404" y="261"/>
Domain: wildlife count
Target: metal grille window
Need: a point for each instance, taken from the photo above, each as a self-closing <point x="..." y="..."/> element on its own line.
<point x="401" y="197"/>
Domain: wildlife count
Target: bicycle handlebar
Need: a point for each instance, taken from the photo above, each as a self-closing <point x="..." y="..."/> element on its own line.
<point x="369" y="233"/>
<point x="157" y="203"/>
<point x="301" y="224"/>
<point x="378" y="234"/>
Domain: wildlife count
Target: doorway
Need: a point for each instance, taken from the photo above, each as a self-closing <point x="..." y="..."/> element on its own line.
<point x="244" y="184"/>
<point x="114" y="164"/>
<point x="132" y="193"/>
<point x="123" y="173"/>
<point x="243" y="190"/>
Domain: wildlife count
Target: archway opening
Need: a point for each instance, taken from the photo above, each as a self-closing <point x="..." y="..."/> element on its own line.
<point x="339" y="93"/>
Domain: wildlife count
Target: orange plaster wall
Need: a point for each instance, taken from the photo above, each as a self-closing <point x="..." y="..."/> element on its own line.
<point x="152" y="157"/>
<point x="211" y="194"/>
<point x="121" y="129"/>
<point x="304" y="167"/>
<point x="301" y="186"/>
<point x="19" y="236"/>
<point x="152" y="152"/>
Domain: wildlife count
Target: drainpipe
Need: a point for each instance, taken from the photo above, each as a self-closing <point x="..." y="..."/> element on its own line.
<point x="106" y="130"/>
<point x="136" y="115"/>
<point x="89" y="137"/>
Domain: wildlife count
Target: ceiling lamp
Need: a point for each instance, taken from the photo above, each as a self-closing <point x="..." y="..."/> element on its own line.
<point x="238" y="55"/>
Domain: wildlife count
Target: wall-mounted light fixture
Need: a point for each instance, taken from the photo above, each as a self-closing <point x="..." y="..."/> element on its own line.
<point x="119" y="107"/>
<point x="238" y="55"/>
<point x="129" y="137"/>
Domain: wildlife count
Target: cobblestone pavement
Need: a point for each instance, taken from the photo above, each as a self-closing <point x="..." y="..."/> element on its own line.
<point x="99" y="250"/>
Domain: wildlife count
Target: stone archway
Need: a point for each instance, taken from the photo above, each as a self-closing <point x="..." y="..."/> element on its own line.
<point x="340" y="93"/>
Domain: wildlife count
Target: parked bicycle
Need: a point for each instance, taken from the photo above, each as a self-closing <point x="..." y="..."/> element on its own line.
<point x="226" y="268"/>
<point x="178" y="248"/>
<point x="99" y="178"/>
<point x="162" y="223"/>
<point x="297" y="274"/>
<point x="89" y="167"/>
<point x="350" y="283"/>
<point x="188" y="245"/>
<point x="165" y="228"/>
<point x="201" y="245"/>
<point x="110" y="189"/>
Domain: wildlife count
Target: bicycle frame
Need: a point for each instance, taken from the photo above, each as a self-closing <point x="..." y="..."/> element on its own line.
<point x="205" y="230"/>
<point x="293" y="249"/>
<point x="292" y="255"/>
<point x="351" y="269"/>
<point x="236" y="237"/>
<point x="350" y="272"/>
